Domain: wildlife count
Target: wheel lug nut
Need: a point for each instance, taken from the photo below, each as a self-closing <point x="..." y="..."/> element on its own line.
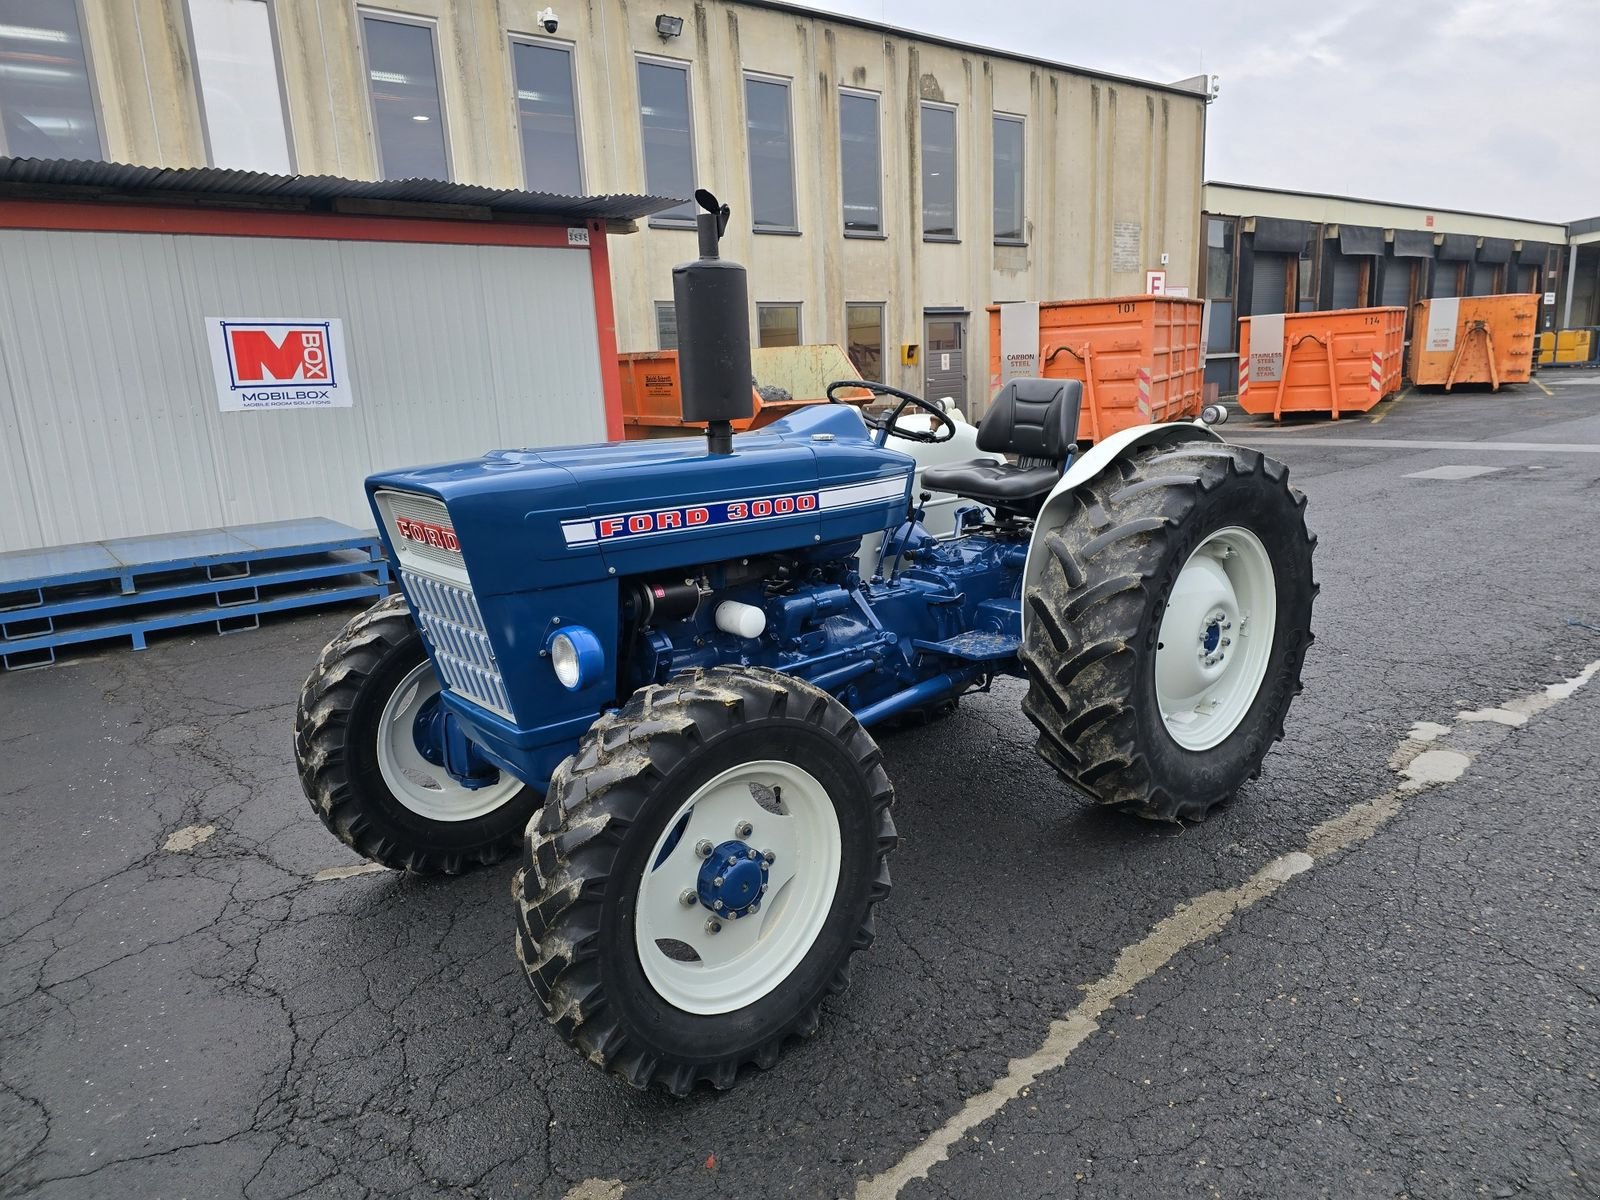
<point x="704" y="848"/>
<point x="743" y="829"/>
<point x="717" y="904"/>
<point x="733" y="916"/>
<point x="754" y="905"/>
<point x="717" y="882"/>
<point x="688" y="897"/>
<point x="755" y="854"/>
<point x="713" y="925"/>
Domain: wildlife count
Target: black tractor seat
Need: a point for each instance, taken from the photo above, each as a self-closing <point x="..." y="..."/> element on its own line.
<point x="1034" y="419"/>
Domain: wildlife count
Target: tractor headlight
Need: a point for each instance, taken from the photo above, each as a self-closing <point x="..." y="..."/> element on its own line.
<point x="576" y="655"/>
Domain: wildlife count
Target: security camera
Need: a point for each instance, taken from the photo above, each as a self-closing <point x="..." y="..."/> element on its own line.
<point x="548" y="19"/>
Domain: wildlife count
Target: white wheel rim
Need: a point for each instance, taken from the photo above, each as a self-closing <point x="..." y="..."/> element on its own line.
<point x="423" y="788"/>
<point x="1216" y="637"/>
<point x="751" y="955"/>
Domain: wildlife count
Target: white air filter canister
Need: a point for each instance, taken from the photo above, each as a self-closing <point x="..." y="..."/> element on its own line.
<point x="741" y="620"/>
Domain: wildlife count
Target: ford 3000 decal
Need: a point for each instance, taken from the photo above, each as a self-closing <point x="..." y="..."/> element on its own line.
<point x="646" y="522"/>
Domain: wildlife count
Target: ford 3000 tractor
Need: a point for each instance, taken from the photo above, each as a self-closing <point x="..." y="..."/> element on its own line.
<point x="657" y="666"/>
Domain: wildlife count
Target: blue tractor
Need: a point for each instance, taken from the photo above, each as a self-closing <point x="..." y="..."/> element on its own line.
<point x="658" y="666"/>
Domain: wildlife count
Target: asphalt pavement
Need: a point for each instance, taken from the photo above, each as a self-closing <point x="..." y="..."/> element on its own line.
<point x="1374" y="973"/>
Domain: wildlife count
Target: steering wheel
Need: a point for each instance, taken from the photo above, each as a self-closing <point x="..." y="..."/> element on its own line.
<point x="887" y="426"/>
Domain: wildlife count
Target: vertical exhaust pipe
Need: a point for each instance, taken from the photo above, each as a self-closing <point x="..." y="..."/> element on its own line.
<point x="713" y="306"/>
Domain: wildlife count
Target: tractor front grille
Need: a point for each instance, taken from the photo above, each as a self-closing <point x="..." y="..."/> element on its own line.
<point x="455" y="631"/>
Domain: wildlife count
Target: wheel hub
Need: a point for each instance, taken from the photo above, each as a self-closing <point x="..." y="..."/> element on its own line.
<point x="733" y="879"/>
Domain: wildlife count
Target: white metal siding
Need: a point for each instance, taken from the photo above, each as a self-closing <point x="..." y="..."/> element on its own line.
<point x="109" y="424"/>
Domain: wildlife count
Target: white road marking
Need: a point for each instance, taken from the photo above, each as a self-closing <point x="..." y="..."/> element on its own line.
<point x="1421" y="766"/>
<point x="1452" y="472"/>
<point x="182" y="840"/>
<point x="329" y="874"/>
<point x="596" y="1189"/>
<point x="1427" y="731"/>
<point x="1414" y="444"/>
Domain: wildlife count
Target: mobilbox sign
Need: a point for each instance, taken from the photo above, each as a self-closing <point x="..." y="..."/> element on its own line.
<point x="279" y="363"/>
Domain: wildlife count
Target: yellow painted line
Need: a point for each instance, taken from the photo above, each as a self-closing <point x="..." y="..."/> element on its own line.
<point x="1392" y="403"/>
<point x="1542" y="388"/>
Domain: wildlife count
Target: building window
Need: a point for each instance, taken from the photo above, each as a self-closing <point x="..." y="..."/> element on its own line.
<point x="766" y="122"/>
<point x="860" y="163"/>
<point x="864" y="339"/>
<point x="241" y="95"/>
<point x="666" y="325"/>
<point x="47" y="107"/>
<point x="547" y="117"/>
<point x="403" y="81"/>
<point x="668" y="137"/>
<point x="938" y="172"/>
<point x="1008" y="179"/>
<point x="778" y="324"/>
<point x="1219" y="259"/>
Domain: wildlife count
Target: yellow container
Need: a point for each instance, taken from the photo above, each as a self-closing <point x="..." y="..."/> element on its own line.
<point x="1566" y="346"/>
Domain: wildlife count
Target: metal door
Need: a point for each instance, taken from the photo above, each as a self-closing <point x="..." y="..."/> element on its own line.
<point x="1397" y="283"/>
<point x="1269" y="283"/>
<point x="1347" y="283"/>
<point x="944" y="357"/>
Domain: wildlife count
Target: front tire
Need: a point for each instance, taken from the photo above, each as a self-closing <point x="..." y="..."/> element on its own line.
<point x="361" y="770"/>
<point x="637" y="929"/>
<point x="1167" y="628"/>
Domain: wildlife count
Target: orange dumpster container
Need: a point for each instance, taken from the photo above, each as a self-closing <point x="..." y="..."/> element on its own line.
<point x="652" y="400"/>
<point x="1139" y="358"/>
<point x="1473" y="339"/>
<point x="1338" y="361"/>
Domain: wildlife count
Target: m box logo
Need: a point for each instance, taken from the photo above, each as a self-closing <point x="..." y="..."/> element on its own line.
<point x="279" y="363"/>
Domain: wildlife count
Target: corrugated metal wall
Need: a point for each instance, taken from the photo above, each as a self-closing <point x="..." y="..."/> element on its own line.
<point x="109" y="424"/>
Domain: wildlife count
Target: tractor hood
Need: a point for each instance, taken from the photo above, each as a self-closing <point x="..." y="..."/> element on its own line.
<point x="532" y="519"/>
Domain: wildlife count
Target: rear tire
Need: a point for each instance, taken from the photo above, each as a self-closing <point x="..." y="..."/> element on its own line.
<point x="350" y="742"/>
<point x="1225" y="520"/>
<point x="613" y="930"/>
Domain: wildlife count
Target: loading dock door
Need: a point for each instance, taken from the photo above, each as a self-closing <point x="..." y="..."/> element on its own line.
<point x="1347" y="282"/>
<point x="1397" y="283"/>
<point x="944" y="348"/>
<point x="1269" y="285"/>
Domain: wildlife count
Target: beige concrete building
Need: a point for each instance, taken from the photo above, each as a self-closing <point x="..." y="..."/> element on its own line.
<point x="886" y="186"/>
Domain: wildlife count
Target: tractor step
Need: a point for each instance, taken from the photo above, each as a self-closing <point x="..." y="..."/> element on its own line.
<point x="974" y="647"/>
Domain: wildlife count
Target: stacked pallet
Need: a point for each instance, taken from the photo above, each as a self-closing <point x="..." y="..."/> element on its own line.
<point x="226" y="578"/>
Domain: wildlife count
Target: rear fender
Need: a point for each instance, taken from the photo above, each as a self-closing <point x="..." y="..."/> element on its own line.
<point x="1097" y="459"/>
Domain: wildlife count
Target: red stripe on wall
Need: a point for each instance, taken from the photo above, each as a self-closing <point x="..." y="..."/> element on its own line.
<point x="128" y="218"/>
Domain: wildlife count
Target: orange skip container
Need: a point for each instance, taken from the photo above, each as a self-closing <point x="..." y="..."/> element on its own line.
<point x="1488" y="339"/>
<point x="652" y="404"/>
<point x="1338" y="361"/>
<point x="1139" y="358"/>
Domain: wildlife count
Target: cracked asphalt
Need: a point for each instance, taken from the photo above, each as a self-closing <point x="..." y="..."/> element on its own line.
<point x="190" y="1006"/>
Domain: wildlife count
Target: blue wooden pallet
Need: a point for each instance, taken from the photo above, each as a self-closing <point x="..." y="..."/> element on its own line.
<point x="128" y="587"/>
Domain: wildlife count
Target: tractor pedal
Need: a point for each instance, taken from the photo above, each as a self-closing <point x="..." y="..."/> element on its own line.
<point x="974" y="647"/>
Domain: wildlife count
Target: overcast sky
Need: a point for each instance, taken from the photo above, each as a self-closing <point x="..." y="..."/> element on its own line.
<point x="1484" y="105"/>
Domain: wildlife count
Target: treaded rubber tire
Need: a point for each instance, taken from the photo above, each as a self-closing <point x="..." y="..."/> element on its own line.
<point x="607" y="805"/>
<point x="335" y="747"/>
<point x="1095" y="612"/>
